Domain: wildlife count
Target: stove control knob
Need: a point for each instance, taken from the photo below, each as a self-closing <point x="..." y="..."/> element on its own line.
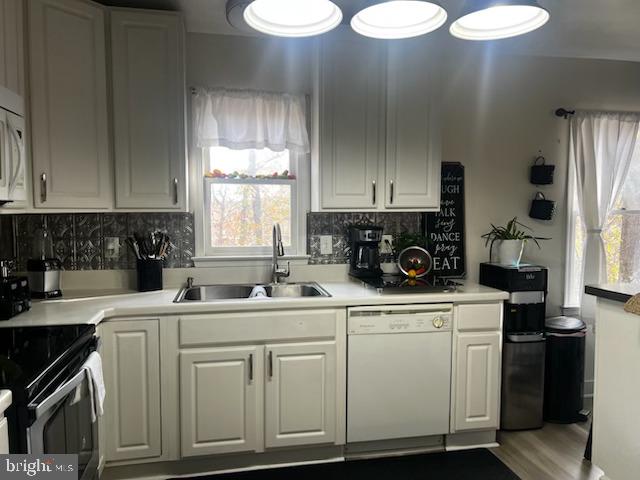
<point x="438" y="322"/>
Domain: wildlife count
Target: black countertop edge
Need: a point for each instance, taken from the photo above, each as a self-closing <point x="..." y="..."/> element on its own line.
<point x="608" y="294"/>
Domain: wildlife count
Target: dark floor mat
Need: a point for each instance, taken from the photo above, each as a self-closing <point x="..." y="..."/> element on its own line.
<point x="477" y="464"/>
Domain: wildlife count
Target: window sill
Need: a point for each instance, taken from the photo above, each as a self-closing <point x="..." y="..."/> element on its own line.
<point x="244" y="261"/>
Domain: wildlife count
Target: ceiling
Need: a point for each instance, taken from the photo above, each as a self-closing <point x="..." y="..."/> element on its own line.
<point x="606" y="29"/>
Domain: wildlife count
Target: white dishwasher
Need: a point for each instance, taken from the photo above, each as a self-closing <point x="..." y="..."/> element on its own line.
<point x="399" y="371"/>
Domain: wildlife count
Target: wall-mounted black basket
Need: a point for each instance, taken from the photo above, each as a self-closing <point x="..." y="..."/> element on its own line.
<point x="541" y="173"/>
<point x="541" y="208"/>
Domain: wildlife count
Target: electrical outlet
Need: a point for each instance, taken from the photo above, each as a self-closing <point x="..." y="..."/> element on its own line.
<point x="326" y="245"/>
<point x="384" y="246"/>
<point x="111" y="248"/>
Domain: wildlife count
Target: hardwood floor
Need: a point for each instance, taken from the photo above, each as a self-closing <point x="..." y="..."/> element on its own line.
<point x="554" y="452"/>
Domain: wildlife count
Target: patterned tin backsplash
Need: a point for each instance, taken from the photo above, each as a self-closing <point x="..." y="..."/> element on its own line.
<point x="337" y="225"/>
<point x="96" y="241"/>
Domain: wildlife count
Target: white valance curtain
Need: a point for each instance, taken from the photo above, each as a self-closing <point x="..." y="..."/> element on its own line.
<point x="601" y="147"/>
<point x="244" y="119"/>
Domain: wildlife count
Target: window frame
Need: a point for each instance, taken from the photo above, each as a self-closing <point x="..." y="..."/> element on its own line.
<point x="300" y="201"/>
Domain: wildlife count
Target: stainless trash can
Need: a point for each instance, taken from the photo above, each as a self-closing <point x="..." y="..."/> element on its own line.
<point x="522" y="381"/>
<point x="564" y="370"/>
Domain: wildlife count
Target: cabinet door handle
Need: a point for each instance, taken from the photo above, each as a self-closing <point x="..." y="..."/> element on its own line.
<point x="373" y="200"/>
<point x="251" y="367"/>
<point x="43" y="187"/>
<point x="175" y="191"/>
<point x="270" y="364"/>
<point x="391" y="192"/>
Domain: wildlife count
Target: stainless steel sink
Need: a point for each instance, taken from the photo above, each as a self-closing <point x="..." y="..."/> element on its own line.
<point x="209" y="293"/>
<point x="295" y="290"/>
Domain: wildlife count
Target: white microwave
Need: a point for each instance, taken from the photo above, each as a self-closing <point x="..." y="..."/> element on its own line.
<point x="12" y="154"/>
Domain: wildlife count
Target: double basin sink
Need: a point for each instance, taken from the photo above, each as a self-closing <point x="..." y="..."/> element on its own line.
<point x="208" y="293"/>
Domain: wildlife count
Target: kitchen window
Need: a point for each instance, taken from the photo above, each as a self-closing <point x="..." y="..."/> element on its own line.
<point x="255" y="171"/>
<point x="245" y="193"/>
<point x="621" y="236"/>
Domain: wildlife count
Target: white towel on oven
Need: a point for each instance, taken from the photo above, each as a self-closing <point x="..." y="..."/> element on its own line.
<point x="97" y="391"/>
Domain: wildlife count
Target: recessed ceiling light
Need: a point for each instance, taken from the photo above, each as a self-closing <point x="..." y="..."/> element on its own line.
<point x="293" y="18"/>
<point x="496" y="19"/>
<point x="393" y="19"/>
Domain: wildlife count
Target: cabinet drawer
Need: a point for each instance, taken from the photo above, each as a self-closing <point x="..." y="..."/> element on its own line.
<point x="479" y="316"/>
<point x="256" y="327"/>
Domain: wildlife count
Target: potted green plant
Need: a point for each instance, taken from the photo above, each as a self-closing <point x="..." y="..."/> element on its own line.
<point x="511" y="240"/>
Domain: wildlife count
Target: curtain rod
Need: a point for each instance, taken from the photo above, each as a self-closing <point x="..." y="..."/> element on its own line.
<point x="564" y="113"/>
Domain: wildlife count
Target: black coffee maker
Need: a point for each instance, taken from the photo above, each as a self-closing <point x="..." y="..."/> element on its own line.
<point x="365" y="251"/>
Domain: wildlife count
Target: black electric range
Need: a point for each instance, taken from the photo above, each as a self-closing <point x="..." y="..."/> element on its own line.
<point x="389" y="283"/>
<point x="35" y="362"/>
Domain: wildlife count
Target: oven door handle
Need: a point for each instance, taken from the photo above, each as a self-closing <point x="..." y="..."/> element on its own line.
<point x="60" y="393"/>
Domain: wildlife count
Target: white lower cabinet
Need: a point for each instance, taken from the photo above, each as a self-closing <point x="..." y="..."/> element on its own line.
<point x="300" y="393"/>
<point x="5" y="403"/>
<point x="247" y="398"/>
<point x="477" y="383"/>
<point x="131" y="362"/>
<point x="220" y="400"/>
<point x="4" y="436"/>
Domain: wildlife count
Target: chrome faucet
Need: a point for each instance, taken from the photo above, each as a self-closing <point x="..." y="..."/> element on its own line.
<point x="278" y="273"/>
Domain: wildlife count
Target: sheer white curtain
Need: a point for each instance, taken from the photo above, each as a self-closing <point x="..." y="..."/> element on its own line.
<point x="243" y="119"/>
<point x="601" y="146"/>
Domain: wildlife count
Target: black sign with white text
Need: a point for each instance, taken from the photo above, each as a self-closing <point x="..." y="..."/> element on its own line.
<point x="445" y="229"/>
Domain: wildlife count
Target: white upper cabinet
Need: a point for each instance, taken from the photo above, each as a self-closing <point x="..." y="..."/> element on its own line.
<point x="148" y="107"/>
<point x="412" y="170"/>
<point x="12" y="54"/>
<point x="69" y="113"/>
<point x="379" y="138"/>
<point x="351" y="98"/>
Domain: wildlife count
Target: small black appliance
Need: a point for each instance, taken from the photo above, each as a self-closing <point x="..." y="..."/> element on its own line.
<point x="15" y="296"/>
<point x="365" y="251"/>
<point x="44" y="269"/>
<point x="523" y="353"/>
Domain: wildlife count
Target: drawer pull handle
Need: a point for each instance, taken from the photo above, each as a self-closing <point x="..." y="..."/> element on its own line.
<point x="373" y="183"/>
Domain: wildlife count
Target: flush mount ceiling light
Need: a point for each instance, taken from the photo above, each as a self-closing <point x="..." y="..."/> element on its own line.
<point x="496" y="19"/>
<point x="394" y="19"/>
<point x="293" y="18"/>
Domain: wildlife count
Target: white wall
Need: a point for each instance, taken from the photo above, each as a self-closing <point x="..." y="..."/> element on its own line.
<point x="266" y="63"/>
<point x="498" y="112"/>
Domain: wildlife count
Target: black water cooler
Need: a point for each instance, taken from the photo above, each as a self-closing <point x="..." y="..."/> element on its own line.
<point x="523" y="353"/>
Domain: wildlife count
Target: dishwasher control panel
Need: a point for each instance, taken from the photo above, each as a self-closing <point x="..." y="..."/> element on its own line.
<point x="403" y="321"/>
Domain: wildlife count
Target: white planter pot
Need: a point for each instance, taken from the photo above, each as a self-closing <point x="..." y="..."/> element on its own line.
<point x="510" y="252"/>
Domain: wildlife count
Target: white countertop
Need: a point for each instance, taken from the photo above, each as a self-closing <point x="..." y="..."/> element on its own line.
<point x="5" y="400"/>
<point x="93" y="310"/>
